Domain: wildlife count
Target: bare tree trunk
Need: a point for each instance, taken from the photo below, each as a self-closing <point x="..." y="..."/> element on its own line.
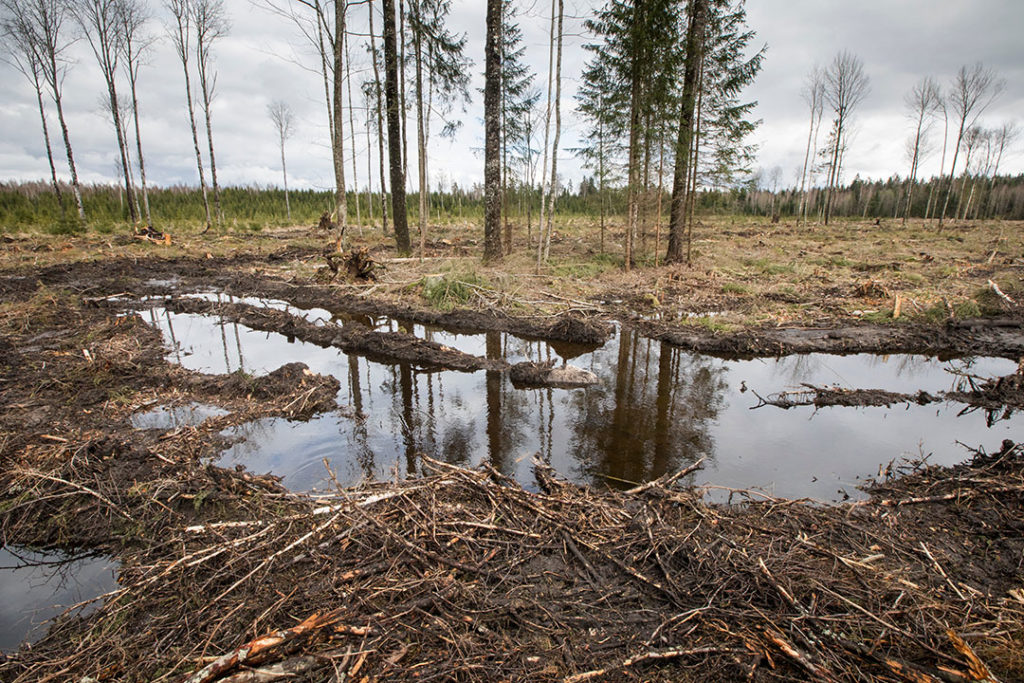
<point x="558" y="135"/>
<point x="138" y="149"/>
<point x="634" y="165"/>
<point x="492" y="134"/>
<point x="813" y="96"/>
<point x="937" y="186"/>
<point x="547" y="134"/>
<point x="76" y="187"/>
<point x="206" y="87"/>
<point x="182" y="44"/>
<point x="395" y="129"/>
<point x="401" y="69"/>
<point x="325" y="67"/>
<point x="284" y="173"/>
<point x="380" y="125"/>
<point x="687" y="123"/>
<point x="421" y="136"/>
<point x="691" y="201"/>
<point x="952" y="175"/>
<point x="601" y="172"/>
<point x="338" y="142"/>
<point x="183" y="47"/>
<point x="46" y="139"/>
<point x="352" y="128"/>
<point x="99" y="23"/>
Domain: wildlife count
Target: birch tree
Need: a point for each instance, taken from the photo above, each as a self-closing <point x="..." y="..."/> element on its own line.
<point x="281" y="116"/>
<point x="923" y="103"/>
<point x="492" y="134"/>
<point x="43" y="22"/>
<point x="553" y="185"/>
<point x="100" y="22"/>
<point x="375" y="92"/>
<point x="21" y="53"/>
<point x="1003" y="138"/>
<point x="846" y="86"/>
<point x="814" y="95"/>
<point x="135" y="45"/>
<point x="181" y="37"/>
<point x="338" y="139"/>
<point x="973" y="90"/>
<point x="439" y="54"/>
<point x="211" y="24"/>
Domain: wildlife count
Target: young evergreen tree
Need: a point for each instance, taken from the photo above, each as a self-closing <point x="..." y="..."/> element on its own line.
<point x="628" y="84"/>
<point x="711" y="112"/>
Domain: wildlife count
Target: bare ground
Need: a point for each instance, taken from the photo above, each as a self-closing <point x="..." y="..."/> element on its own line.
<point x="462" y="574"/>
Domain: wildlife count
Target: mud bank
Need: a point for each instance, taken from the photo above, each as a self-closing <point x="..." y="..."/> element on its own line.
<point x="993" y="337"/>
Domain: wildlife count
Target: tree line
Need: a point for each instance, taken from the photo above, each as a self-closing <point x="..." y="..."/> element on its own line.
<point x="661" y="97"/>
<point x="663" y="85"/>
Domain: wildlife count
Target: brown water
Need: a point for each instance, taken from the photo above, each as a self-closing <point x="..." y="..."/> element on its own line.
<point x="656" y="410"/>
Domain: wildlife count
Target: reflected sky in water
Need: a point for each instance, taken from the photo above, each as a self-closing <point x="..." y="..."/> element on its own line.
<point x="656" y="410"/>
<point x="36" y="586"/>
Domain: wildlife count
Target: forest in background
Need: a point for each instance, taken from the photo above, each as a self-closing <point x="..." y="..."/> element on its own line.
<point x="33" y="205"/>
<point x="661" y="99"/>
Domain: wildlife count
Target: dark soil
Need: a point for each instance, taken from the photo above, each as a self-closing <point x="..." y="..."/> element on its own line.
<point x="463" y="575"/>
<point x="989" y="337"/>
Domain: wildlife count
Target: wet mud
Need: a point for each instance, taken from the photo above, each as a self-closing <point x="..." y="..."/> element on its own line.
<point x="920" y="578"/>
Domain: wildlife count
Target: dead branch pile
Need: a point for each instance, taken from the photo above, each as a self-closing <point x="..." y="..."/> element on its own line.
<point x="463" y="574"/>
<point x="819" y="397"/>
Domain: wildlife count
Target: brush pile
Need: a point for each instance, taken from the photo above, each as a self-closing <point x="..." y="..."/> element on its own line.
<point x="463" y="574"/>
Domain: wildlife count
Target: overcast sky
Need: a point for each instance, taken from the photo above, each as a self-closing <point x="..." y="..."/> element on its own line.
<point x="265" y="58"/>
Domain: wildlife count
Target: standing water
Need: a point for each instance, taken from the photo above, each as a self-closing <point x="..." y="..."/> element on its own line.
<point x="656" y="410"/>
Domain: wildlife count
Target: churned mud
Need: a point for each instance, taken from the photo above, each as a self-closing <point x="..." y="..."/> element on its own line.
<point x="466" y="572"/>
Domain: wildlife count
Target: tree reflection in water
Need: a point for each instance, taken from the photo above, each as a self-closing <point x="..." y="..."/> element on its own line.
<point x="653" y="413"/>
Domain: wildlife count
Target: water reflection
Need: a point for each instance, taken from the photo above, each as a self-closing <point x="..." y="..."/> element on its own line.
<point x="656" y="409"/>
<point x="173" y="417"/>
<point x="655" y="412"/>
<point x="37" y="586"/>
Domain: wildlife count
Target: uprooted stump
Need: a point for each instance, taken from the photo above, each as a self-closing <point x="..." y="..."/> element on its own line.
<point x="530" y="374"/>
<point x="356" y="265"/>
<point x="326" y="222"/>
<point x="150" y="234"/>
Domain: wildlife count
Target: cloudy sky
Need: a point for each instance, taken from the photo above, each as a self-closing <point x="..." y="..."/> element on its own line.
<point x="266" y="58"/>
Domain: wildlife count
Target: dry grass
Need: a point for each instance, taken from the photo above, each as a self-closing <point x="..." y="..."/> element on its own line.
<point x="745" y="271"/>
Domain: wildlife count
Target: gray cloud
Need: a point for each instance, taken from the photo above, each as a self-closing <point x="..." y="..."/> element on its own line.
<point x="900" y="42"/>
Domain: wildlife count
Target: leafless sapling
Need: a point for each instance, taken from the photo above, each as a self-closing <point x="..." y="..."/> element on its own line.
<point x="284" y="123"/>
<point x="973" y="90"/>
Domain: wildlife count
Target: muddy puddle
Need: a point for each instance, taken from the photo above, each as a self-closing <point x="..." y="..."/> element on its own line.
<point x="175" y="416"/>
<point x="38" y="586"/>
<point x="657" y="409"/>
